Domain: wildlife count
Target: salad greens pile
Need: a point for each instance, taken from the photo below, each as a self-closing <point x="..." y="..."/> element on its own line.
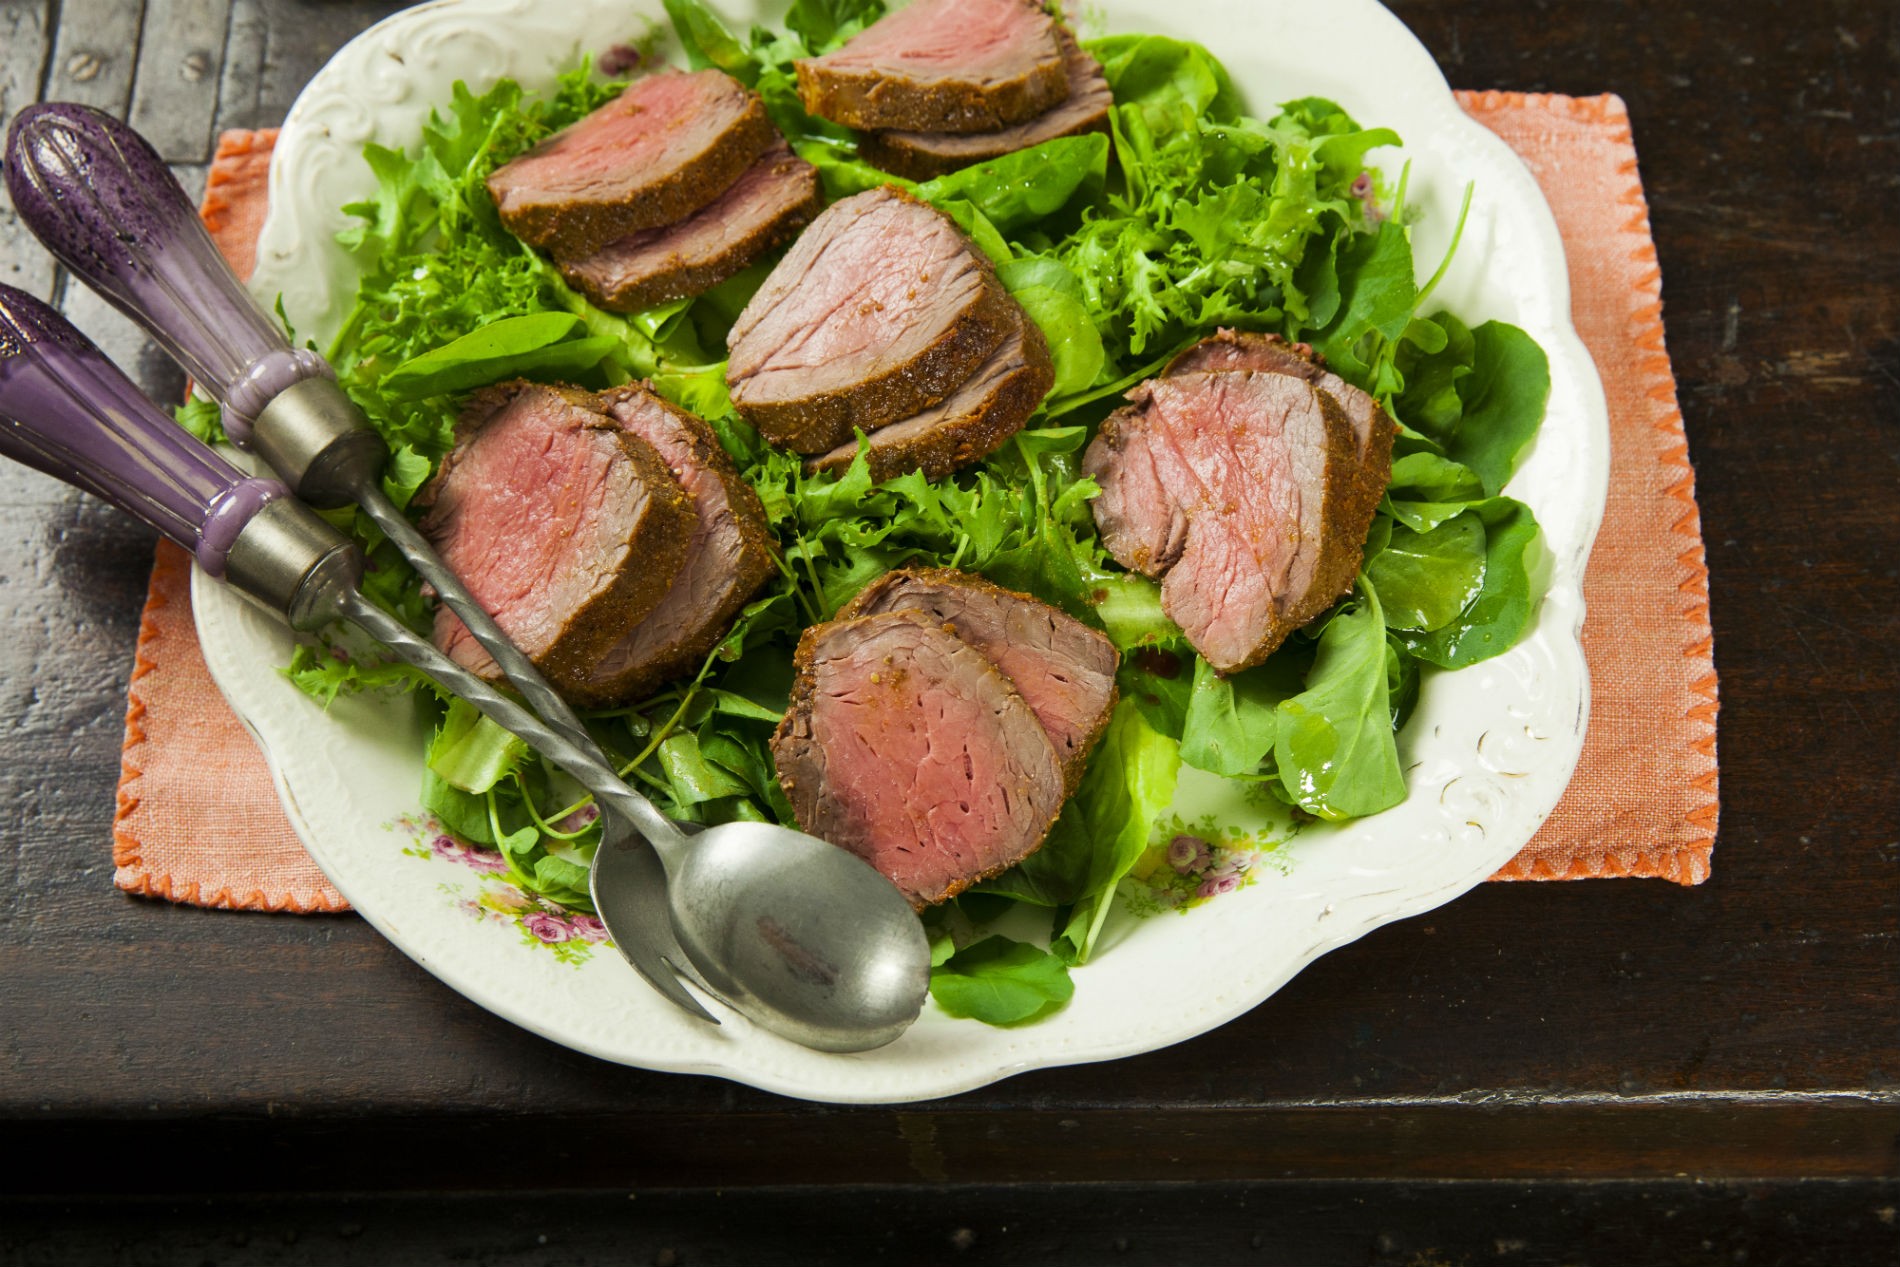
<point x="1124" y="248"/>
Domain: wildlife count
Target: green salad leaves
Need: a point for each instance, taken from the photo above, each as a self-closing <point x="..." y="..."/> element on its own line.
<point x="1190" y="215"/>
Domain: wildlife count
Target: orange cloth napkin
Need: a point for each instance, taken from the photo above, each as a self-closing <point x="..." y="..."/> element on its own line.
<point x="198" y="818"/>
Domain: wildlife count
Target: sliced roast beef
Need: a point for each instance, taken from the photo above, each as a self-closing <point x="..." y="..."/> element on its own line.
<point x="881" y="309"/>
<point x="566" y="528"/>
<point x="907" y="746"/>
<point x="970" y="424"/>
<point x="1242" y="491"/>
<point x="1243" y="350"/>
<point x="728" y="556"/>
<point x="1064" y="670"/>
<point x="941" y="66"/>
<point x="922" y="155"/>
<point x="772" y="201"/>
<point x="661" y="150"/>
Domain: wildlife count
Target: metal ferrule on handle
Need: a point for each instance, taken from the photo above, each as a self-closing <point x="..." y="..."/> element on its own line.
<point x="103" y="201"/>
<point x="69" y="412"/>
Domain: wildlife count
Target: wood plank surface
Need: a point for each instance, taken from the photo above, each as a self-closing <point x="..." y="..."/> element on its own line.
<point x="26" y="37"/>
<point x="1633" y="1031"/>
<point x="175" y="96"/>
<point x="96" y="53"/>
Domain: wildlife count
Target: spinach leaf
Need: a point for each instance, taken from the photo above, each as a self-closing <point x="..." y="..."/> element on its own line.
<point x="1426" y="579"/>
<point x="1335" y="749"/>
<point x="1001" y="982"/>
<point x="1494" y="620"/>
<point x="513" y="347"/>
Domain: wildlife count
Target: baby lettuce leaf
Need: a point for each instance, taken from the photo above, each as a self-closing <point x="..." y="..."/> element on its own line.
<point x="471" y="752"/>
<point x="1129" y="784"/>
<point x="1425" y="579"/>
<point x="1335" y="749"/>
<point x="707" y="42"/>
<point x="1018" y="189"/>
<point x="1001" y="982"/>
<point x="1168" y="79"/>
<point x="821" y="24"/>
<point x="1496" y="618"/>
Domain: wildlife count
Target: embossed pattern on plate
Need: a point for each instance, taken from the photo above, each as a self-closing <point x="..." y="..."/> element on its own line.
<point x="1487" y="753"/>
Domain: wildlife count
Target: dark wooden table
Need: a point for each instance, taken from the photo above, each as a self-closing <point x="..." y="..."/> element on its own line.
<point x="1611" y="1072"/>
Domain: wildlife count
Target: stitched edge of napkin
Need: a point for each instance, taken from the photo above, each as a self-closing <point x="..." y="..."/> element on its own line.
<point x="1682" y="863"/>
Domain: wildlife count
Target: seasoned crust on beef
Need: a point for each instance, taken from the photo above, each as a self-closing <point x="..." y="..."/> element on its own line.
<point x="666" y="147"/>
<point x="471" y="495"/>
<point x="1061" y="667"/>
<point x="731" y="553"/>
<point x="911" y="303"/>
<point x="954" y="778"/>
<point x="973" y="422"/>
<point x="1273" y="354"/>
<point x="941" y="66"/>
<point x="925" y="155"/>
<point x="1199" y="474"/>
<point x="765" y="208"/>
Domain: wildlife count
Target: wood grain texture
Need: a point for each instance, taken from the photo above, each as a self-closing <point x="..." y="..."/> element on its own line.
<point x="175" y="96"/>
<point x="1746" y="1028"/>
<point x="96" y="53"/>
<point x="26" y="37"/>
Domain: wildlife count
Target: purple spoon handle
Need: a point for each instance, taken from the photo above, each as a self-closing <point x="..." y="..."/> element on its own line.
<point x="68" y="411"/>
<point x="103" y="201"/>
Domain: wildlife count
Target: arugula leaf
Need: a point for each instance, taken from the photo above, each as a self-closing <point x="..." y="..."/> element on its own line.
<point x="1105" y="825"/>
<point x="1001" y="982"/>
<point x="1335" y="750"/>
<point x="1378" y="293"/>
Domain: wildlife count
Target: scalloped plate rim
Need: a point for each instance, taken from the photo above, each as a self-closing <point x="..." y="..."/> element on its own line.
<point x="232" y="650"/>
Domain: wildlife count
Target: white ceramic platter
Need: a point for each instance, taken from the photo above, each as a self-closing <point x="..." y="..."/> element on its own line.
<point x="1487" y="753"/>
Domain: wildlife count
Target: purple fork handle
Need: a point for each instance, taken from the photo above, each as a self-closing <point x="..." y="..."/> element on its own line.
<point x="68" y="411"/>
<point x="103" y="201"/>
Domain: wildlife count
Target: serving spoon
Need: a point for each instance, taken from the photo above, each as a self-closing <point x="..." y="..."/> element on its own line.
<point x="804" y="938"/>
<point x="104" y="202"/>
